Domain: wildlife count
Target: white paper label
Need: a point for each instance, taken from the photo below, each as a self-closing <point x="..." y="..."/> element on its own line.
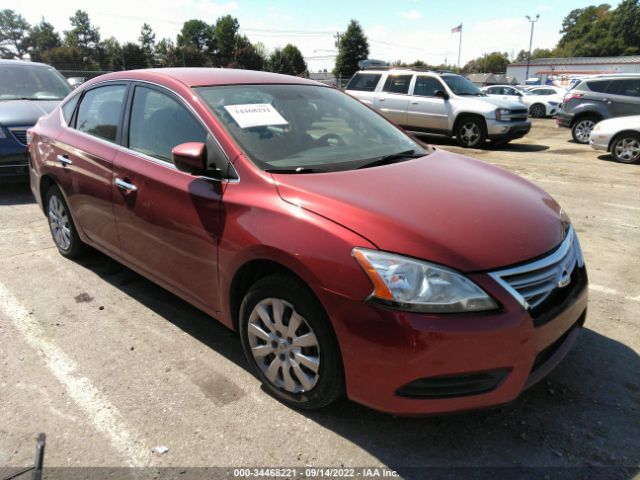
<point x="255" y="115"/>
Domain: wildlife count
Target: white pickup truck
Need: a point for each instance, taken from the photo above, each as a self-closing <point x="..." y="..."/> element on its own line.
<point x="440" y="103"/>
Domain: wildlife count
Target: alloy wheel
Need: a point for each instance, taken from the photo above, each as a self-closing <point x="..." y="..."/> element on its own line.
<point x="470" y="133"/>
<point x="59" y="223"/>
<point x="583" y="130"/>
<point x="284" y="346"/>
<point x="538" y="111"/>
<point x="627" y="150"/>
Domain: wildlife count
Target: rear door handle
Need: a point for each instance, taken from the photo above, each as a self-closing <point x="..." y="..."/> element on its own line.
<point x="607" y="100"/>
<point x="126" y="186"/>
<point x="64" y="160"/>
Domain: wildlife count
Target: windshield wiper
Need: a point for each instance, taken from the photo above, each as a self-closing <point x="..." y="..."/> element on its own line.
<point x="295" y="170"/>
<point x="392" y="158"/>
<point x="34" y="98"/>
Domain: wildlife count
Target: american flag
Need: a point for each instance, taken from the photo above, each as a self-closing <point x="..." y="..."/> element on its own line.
<point x="457" y="29"/>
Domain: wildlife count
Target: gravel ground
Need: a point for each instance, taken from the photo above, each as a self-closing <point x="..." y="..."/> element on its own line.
<point x="111" y="366"/>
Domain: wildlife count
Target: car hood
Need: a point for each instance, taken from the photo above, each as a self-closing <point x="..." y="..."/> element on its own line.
<point x="613" y="125"/>
<point x="445" y="208"/>
<point x="500" y="102"/>
<point x="24" y="112"/>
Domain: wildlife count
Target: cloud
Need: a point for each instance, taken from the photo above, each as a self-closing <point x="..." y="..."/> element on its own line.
<point x="411" y="14"/>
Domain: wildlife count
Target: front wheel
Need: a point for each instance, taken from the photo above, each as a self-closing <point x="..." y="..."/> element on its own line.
<point x="288" y="338"/>
<point x="538" y="111"/>
<point x="626" y="148"/>
<point x="471" y="133"/>
<point x="581" y="130"/>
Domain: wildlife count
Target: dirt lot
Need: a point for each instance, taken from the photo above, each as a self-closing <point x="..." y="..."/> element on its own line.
<point x="111" y="366"/>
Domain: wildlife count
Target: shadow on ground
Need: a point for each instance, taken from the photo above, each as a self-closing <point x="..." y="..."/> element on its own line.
<point x="583" y="421"/>
<point x="15" y="193"/>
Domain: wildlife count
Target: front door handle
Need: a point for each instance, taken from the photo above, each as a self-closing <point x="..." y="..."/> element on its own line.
<point x="607" y="100"/>
<point x="126" y="186"/>
<point x="64" y="160"/>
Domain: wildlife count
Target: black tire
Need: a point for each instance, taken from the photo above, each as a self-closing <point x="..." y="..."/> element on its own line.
<point x="329" y="384"/>
<point x="471" y="132"/>
<point x="64" y="232"/>
<point x="581" y="129"/>
<point x="625" y="148"/>
<point x="538" y="110"/>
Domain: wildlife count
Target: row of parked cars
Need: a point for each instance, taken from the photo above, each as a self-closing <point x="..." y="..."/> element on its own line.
<point x="449" y="104"/>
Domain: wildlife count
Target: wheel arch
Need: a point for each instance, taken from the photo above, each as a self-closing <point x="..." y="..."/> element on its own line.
<point x="462" y="115"/>
<point x="46" y="182"/>
<point x="584" y="114"/>
<point x="618" y="135"/>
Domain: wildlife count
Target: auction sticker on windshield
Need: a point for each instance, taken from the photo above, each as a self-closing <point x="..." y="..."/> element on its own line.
<point x="255" y="115"/>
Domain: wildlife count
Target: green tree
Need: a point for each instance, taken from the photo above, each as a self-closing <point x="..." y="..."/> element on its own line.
<point x="42" y="38"/>
<point x="167" y="54"/>
<point x="227" y="40"/>
<point x="495" y="62"/>
<point x="352" y="47"/>
<point x="84" y="37"/>
<point x="13" y="34"/>
<point x="197" y="34"/>
<point x="133" y="57"/>
<point x="147" y="41"/>
<point x="246" y="55"/>
<point x="288" y="61"/>
<point x="111" y="55"/>
<point x="626" y="25"/>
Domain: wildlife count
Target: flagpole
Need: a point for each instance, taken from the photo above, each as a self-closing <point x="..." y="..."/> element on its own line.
<point x="460" y="45"/>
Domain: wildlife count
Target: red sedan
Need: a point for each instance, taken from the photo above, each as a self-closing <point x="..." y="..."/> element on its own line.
<point x="349" y="257"/>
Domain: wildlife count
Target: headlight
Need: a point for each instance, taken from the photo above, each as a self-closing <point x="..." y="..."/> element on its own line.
<point x="553" y="103"/>
<point x="501" y="112"/>
<point x="414" y="285"/>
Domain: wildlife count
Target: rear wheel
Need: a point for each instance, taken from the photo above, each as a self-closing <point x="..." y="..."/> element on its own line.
<point x="63" y="230"/>
<point x="288" y="338"/>
<point x="538" y="110"/>
<point x="581" y="130"/>
<point x="471" y="132"/>
<point x="626" y="148"/>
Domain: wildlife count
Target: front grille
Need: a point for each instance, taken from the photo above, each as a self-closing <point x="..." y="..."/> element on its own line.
<point x="20" y="134"/>
<point x="449" y="386"/>
<point x="532" y="283"/>
<point x="518" y="114"/>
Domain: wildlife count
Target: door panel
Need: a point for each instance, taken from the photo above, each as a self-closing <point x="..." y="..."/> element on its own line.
<point x="83" y="158"/>
<point x="623" y="97"/>
<point x="426" y="111"/>
<point x="168" y="221"/>
<point x="393" y="101"/>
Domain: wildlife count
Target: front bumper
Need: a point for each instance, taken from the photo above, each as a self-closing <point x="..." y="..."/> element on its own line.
<point x="385" y="350"/>
<point x="14" y="161"/>
<point x="507" y="130"/>
<point x="599" y="142"/>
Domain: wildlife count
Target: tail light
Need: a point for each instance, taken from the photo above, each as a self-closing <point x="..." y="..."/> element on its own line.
<point x="571" y="96"/>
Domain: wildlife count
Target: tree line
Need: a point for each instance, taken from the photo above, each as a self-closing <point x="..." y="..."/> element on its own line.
<point x="198" y="44"/>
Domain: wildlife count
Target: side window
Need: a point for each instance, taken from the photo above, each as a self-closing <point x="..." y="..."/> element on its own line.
<point x="159" y="122"/>
<point x="397" y="84"/>
<point x="629" y="87"/>
<point x="99" y="111"/>
<point x="599" y="86"/>
<point x="69" y="107"/>
<point x="427" y="86"/>
<point x="364" y="82"/>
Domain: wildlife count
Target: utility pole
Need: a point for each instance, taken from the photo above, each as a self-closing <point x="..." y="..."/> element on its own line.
<point x="532" y="21"/>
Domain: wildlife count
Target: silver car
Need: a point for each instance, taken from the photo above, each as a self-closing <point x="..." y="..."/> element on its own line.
<point x="447" y="104"/>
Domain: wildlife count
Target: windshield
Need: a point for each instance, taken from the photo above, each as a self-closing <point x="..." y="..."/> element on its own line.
<point x="460" y="85"/>
<point x="304" y="127"/>
<point x="31" y="82"/>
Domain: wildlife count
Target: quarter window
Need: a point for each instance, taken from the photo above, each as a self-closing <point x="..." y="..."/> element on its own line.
<point x="69" y="107"/>
<point x="600" y="86"/>
<point x="397" y="84"/>
<point x="427" y="86"/>
<point x="99" y="111"/>
<point x="364" y="82"/>
<point x="159" y="122"/>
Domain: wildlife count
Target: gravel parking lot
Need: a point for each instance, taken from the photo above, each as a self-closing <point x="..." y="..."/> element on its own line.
<point x="111" y="366"/>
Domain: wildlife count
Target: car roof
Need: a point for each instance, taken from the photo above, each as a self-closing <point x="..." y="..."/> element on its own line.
<point x="406" y="71"/>
<point x="200" y="77"/>
<point x="613" y="76"/>
<point x="23" y="63"/>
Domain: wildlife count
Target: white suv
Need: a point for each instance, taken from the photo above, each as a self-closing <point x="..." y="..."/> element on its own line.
<point x="444" y="103"/>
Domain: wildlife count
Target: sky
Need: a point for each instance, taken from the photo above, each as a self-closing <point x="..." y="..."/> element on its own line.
<point x="405" y="30"/>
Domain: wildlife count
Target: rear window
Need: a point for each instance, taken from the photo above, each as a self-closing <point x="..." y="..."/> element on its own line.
<point x="599" y="86"/>
<point x="397" y="84"/>
<point x="364" y="82"/>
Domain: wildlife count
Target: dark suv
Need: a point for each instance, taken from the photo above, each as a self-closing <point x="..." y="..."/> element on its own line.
<point x="596" y="99"/>
<point x="27" y="91"/>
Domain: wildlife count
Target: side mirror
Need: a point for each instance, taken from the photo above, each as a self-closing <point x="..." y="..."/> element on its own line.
<point x="441" y="94"/>
<point x="190" y="157"/>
